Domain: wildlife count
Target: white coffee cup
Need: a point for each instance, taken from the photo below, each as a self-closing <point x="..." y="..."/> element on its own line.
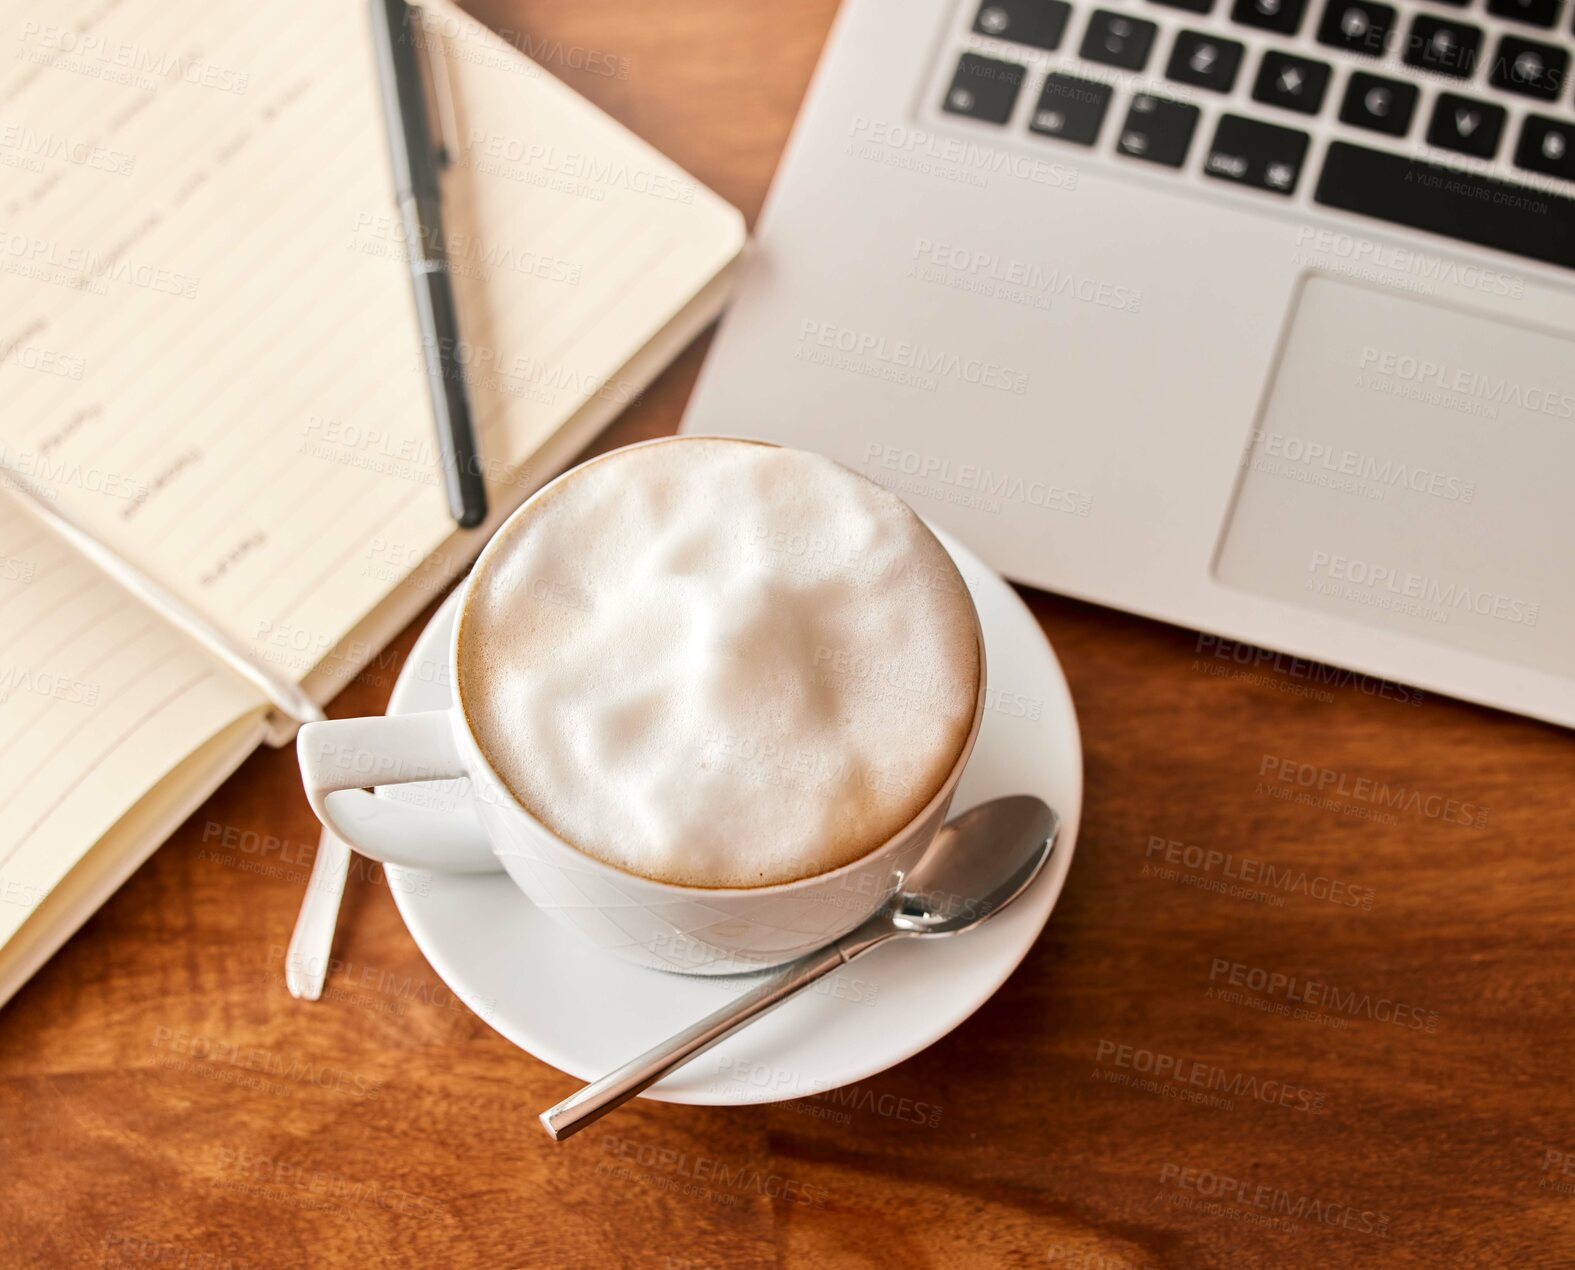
<point x="689" y="929"/>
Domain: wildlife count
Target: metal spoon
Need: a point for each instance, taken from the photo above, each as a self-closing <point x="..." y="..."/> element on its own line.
<point x="978" y="864"/>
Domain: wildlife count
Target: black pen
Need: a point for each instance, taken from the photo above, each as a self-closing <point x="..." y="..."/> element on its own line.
<point x="416" y="166"/>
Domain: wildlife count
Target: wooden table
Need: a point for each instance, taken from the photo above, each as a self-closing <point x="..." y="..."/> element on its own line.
<point x="1361" y="1058"/>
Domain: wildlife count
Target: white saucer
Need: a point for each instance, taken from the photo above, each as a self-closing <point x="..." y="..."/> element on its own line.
<point x="586" y="1011"/>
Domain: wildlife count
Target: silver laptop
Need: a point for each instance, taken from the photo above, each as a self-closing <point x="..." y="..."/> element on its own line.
<point x="1256" y="316"/>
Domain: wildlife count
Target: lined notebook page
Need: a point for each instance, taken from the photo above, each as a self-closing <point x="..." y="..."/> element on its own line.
<point x="100" y="698"/>
<point x="209" y="343"/>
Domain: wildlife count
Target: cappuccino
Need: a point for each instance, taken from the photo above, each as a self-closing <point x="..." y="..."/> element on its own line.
<point x="719" y="663"/>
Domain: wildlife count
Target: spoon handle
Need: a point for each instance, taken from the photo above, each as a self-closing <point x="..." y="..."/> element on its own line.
<point x="613" y="1090"/>
<point x="312" y="944"/>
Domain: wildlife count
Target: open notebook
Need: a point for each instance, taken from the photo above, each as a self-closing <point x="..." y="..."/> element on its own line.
<point x="209" y="356"/>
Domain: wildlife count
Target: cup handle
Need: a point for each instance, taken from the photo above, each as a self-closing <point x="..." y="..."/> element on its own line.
<point x="342" y="758"/>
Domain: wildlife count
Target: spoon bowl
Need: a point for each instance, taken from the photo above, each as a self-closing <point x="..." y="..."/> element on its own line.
<point x="978" y="864"/>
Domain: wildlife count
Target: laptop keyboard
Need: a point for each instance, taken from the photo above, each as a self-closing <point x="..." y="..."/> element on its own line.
<point x="1455" y="117"/>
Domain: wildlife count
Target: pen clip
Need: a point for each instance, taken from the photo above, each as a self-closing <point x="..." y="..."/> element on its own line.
<point x="440" y="89"/>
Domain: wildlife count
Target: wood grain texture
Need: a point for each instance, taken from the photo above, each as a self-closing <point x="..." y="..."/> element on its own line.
<point x="387" y="1126"/>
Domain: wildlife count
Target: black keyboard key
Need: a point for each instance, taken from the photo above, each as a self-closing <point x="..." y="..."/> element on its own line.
<point x="1205" y="61"/>
<point x="1158" y="130"/>
<point x="1040" y="23"/>
<point x="1113" y="39"/>
<point x="1444" y="200"/>
<point x="1378" y="104"/>
<point x="1070" y="109"/>
<point x="1191" y="6"/>
<point x="1465" y="126"/>
<point x="1262" y="155"/>
<point x="1290" y="82"/>
<point x="1547" y="146"/>
<point x="1524" y="66"/>
<point x="1442" y="46"/>
<point x="1282" y="16"/>
<point x="1356" y="26"/>
<point x="1532" y="12"/>
<point x="984" y="88"/>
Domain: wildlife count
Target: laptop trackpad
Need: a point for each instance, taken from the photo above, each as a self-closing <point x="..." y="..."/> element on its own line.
<point x="1412" y="471"/>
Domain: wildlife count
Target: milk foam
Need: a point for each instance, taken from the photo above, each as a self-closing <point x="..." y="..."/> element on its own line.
<point x="718" y="663"/>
